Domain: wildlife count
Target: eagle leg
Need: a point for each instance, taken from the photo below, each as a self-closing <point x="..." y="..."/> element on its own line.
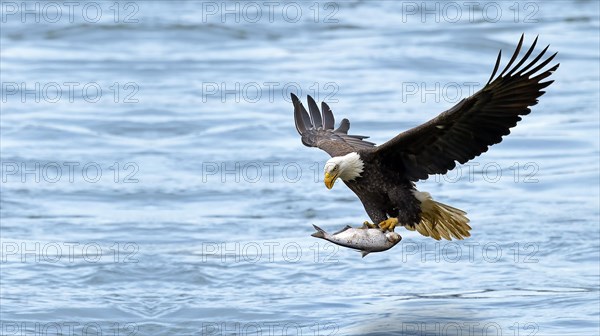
<point x="388" y="224"/>
<point x="370" y="225"/>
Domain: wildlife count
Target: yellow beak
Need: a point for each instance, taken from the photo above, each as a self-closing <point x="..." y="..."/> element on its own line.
<point x="329" y="180"/>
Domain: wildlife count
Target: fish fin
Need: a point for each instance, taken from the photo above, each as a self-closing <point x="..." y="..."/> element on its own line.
<point x="364" y="253"/>
<point x="320" y="232"/>
<point x="344" y="229"/>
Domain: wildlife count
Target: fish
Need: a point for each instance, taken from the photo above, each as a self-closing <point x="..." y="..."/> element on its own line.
<point x="364" y="239"/>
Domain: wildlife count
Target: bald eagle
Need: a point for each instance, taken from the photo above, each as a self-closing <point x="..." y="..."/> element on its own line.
<point x="383" y="177"/>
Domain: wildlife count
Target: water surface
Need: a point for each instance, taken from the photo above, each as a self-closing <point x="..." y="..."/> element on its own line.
<point x="200" y="221"/>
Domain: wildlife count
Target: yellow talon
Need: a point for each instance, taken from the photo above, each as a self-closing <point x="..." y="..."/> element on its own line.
<point x="388" y="224"/>
<point x="366" y="224"/>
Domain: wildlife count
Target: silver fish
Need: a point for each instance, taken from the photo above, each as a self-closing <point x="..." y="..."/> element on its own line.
<point x="364" y="239"/>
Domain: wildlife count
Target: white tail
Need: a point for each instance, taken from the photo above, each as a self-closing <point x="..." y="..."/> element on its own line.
<point x="440" y="220"/>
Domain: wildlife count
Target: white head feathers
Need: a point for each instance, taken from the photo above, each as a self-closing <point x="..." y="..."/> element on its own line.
<point x="347" y="167"/>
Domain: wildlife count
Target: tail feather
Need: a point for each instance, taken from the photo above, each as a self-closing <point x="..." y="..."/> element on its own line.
<point x="439" y="220"/>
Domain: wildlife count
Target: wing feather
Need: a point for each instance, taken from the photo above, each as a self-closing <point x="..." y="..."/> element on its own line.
<point x="524" y="58"/>
<point x="514" y="56"/>
<point x="315" y="114"/>
<point x="317" y="130"/>
<point x="475" y="123"/>
<point x="344" y="126"/>
<point x="328" y="119"/>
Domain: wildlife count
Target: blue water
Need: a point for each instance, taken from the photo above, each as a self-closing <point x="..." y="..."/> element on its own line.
<point x="179" y="201"/>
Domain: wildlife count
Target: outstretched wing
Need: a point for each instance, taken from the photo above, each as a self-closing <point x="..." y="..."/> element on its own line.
<point x="475" y="123"/>
<point x="317" y="130"/>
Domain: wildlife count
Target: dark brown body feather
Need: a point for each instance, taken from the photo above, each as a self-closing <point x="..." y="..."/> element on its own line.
<point x="385" y="192"/>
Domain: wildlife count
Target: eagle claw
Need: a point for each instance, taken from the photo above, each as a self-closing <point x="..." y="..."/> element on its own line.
<point x="368" y="225"/>
<point x="388" y="224"/>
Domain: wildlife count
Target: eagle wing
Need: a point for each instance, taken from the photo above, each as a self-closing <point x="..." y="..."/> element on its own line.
<point x="317" y="130"/>
<point x="475" y="123"/>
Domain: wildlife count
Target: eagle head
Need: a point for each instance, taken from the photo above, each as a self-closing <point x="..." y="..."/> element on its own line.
<point x="347" y="167"/>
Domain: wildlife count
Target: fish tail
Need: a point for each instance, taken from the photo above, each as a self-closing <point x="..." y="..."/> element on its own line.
<point x="439" y="220"/>
<point x="320" y="232"/>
